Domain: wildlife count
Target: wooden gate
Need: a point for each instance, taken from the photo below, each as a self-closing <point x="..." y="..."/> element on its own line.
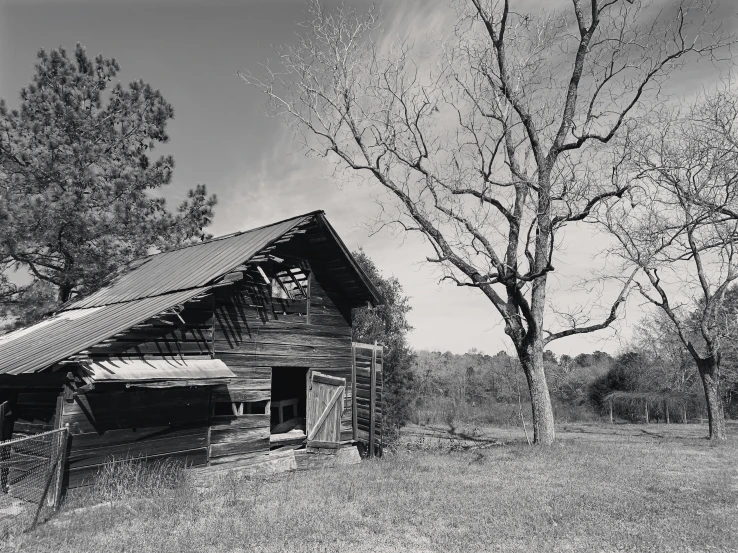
<point x="367" y="381"/>
<point x="324" y="410"/>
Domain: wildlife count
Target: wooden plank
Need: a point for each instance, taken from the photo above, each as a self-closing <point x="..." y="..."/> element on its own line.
<point x="320" y="319"/>
<point x="235" y="393"/>
<point x="84" y="476"/>
<point x="362" y="345"/>
<point x="237" y="435"/>
<point x="99" y="412"/>
<point x="353" y="392"/>
<point x="110" y="438"/>
<point x="4" y="408"/>
<point x="154" y="447"/>
<point x="372" y="404"/>
<point x="248" y="421"/>
<point x="310" y="361"/>
<point x="239" y="459"/>
<point x="287" y="438"/>
<point x="239" y="448"/>
<point x="132" y="400"/>
<point x="320" y="444"/>
<point x="328" y="379"/>
<point x="274" y="463"/>
<point x="344" y="456"/>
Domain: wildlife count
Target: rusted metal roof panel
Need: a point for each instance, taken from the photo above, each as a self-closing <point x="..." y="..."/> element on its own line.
<point x="37" y="347"/>
<point x="188" y="267"/>
<point x="128" y="370"/>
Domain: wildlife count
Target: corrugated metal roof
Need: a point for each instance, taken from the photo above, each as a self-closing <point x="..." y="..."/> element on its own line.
<point x="152" y="285"/>
<point x="43" y="344"/>
<point x="127" y="370"/>
<point x="188" y="267"/>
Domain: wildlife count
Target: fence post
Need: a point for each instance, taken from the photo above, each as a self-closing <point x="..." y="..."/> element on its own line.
<point x="53" y="470"/>
<point x="63" y="439"/>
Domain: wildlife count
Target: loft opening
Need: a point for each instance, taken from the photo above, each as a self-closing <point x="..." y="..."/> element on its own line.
<point x="287" y="285"/>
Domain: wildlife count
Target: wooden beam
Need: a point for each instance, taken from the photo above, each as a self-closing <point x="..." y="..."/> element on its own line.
<point x="354" y="419"/>
<point x="372" y="401"/>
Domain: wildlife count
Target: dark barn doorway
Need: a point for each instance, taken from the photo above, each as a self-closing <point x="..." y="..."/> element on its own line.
<point x="288" y="406"/>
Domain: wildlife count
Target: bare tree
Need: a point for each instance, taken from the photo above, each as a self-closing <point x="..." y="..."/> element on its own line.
<point x="491" y="145"/>
<point x="681" y="233"/>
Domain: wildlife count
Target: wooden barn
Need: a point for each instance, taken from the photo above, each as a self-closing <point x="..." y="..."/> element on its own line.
<point x="231" y="354"/>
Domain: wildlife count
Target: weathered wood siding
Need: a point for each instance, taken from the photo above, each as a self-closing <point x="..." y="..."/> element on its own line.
<point x="122" y="424"/>
<point x="165" y="336"/>
<point x="363" y="359"/>
<point x="235" y="438"/>
<point x="253" y="331"/>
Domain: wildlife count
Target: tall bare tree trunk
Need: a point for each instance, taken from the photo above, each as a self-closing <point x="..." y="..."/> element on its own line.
<point x="709" y="371"/>
<point x="531" y="359"/>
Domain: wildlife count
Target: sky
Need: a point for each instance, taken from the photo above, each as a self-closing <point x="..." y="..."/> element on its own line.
<point x="191" y="50"/>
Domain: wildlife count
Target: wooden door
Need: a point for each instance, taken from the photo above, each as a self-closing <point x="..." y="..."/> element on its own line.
<point x="368" y="379"/>
<point x="324" y="409"/>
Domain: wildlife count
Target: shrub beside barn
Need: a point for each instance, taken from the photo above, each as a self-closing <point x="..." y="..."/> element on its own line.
<point x="232" y="354"/>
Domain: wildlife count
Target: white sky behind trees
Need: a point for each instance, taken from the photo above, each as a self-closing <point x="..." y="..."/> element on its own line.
<point x="191" y="51"/>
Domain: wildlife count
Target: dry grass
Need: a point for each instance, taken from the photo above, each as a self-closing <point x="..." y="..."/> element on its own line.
<point x="600" y="488"/>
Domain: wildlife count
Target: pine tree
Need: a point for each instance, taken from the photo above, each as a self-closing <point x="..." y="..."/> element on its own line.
<point x="76" y="176"/>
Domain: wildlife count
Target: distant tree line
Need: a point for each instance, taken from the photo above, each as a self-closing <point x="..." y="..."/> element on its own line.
<point x="654" y="380"/>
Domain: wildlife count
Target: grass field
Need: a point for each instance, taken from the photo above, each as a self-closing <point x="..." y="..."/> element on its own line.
<point x="600" y="488"/>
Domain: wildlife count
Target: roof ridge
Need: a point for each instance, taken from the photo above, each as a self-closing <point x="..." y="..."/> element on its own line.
<point x="231" y="235"/>
<point x="139" y="262"/>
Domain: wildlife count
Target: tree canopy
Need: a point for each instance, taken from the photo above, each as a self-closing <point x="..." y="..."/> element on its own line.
<point x="76" y="176"/>
<point x="387" y="325"/>
<point x="496" y="143"/>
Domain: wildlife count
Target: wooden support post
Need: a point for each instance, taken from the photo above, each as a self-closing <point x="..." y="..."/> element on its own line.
<point x="56" y="498"/>
<point x="684" y="406"/>
<point x="647" y="422"/>
<point x="68" y="392"/>
<point x="4" y="407"/>
<point x="666" y="411"/>
<point x="309" y="296"/>
<point x="354" y="414"/>
<point x="372" y="401"/>
<point x="5" y="451"/>
<point x="611" y="419"/>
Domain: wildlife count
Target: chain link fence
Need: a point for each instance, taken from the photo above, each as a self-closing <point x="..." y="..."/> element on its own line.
<point x="31" y="473"/>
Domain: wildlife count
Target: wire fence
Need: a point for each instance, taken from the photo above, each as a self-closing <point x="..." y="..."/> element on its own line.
<point x="31" y="473"/>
